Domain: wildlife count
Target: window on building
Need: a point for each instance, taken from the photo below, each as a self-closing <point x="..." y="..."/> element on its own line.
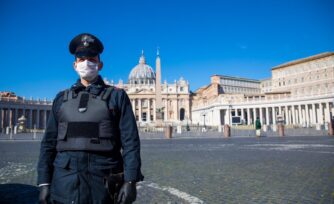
<point x="144" y="116"/>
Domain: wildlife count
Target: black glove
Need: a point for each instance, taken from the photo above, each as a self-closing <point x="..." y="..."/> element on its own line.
<point x="128" y="193"/>
<point x="44" y="194"/>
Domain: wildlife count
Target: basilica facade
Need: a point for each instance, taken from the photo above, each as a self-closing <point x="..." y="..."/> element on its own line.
<point x="154" y="102"/>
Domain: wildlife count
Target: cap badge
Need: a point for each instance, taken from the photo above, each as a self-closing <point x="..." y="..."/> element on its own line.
<point x="86" y="39"/>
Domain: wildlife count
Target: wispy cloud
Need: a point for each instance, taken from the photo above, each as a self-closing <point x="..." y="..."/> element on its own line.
<point x="242" y="46"/>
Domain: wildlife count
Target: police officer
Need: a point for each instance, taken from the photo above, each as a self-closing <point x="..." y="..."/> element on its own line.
<point x="90" y="152"/>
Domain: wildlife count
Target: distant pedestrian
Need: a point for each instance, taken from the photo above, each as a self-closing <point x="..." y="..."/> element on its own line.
<point x="258" y="127"/>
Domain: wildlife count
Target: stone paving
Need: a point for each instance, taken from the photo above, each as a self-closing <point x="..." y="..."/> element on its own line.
<point x="205" y="170"/>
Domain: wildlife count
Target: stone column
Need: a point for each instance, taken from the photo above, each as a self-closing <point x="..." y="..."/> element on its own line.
<point x="16" y="116"/>
<point x="314" y="121"/>
<point x="248" y="117"/>
<point x="301" y="120"/>
<point x="176" y="110"/>
<point x="287" y="119"/>
<point x="38" y="125"/>
<point x="242" y="115"/>
<point x="304" y="115"/>
<point x="148" y="119"/>
<point x="166" y="109"/>
<point x="188" y="110"/>
<point x="261" y="116"/>
<point x="307" y="116"/>
<point x="321" y="114"/>
<point x="293" y="115"/>
<point x="267" y="116"/>
<point x="273" y="115"/>
<point x="327" y="114"/>
<point x="10" y="117"/>
<point x="139" y="110"/>
<point x="255" y="116"/>
<point x="4" y="118"/>
<point x="297" y="115"/>
<point x="30" y="118"/>
<point x="133" y="103"/>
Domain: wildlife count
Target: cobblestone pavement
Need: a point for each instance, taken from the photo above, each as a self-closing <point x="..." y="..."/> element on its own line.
<point x="233" y="170"/>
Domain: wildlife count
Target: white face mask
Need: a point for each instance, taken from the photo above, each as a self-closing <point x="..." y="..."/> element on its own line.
<point x="87" y="70"/>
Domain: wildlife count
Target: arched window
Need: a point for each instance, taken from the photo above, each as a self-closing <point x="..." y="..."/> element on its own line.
<point x="182" y="114"/>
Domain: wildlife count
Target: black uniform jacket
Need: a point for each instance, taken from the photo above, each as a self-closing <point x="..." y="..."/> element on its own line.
<point x="129" y="150"/>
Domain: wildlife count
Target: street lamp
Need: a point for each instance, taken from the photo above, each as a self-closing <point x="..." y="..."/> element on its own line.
<point x="204" y="114"/>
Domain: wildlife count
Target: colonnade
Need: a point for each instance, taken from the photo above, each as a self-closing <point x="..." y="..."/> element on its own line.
<point x="291" y="114"/>
<point x="36" y="113"/>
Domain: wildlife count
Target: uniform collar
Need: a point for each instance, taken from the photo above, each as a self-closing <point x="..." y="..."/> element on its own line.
<point x="95" y="87"/>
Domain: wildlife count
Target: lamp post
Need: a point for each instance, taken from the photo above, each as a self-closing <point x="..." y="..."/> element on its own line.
<point x="204" y="114"/>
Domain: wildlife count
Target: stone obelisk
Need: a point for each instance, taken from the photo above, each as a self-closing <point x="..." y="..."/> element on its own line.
<point x="158" y="97"/>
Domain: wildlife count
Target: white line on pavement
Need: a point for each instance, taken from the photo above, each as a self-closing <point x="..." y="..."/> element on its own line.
<point x="180" y="194"/>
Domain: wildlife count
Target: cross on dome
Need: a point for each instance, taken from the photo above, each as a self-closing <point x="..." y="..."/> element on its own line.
<point x="142" y="58"/>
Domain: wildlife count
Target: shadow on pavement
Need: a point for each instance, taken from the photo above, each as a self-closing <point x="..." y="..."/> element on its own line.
<point x="18" y="193"/>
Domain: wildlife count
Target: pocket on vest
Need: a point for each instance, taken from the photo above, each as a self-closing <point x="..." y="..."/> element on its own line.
<point x="106" y="130"/>
<point x="62" y="130"/>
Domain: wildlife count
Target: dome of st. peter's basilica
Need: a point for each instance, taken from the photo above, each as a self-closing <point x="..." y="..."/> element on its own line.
<point x="142" y="73"/>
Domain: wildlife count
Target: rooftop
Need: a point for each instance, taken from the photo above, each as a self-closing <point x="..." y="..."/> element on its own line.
<point x="237" y="78"/>
<point x="306" y="59"/>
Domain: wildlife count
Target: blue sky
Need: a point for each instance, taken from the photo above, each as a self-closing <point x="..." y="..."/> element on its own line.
<point x="197" y="38"/>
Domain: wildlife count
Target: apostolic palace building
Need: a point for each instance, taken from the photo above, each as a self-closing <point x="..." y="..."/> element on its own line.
<point x="298" y="93"/>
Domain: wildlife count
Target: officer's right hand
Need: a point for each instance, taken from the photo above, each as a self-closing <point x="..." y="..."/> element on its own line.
<point x="128" y="193"/>
<point x="44" y="194"/>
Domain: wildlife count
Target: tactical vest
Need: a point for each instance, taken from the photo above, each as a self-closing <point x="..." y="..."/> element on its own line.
<point x="85" y="122"/>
